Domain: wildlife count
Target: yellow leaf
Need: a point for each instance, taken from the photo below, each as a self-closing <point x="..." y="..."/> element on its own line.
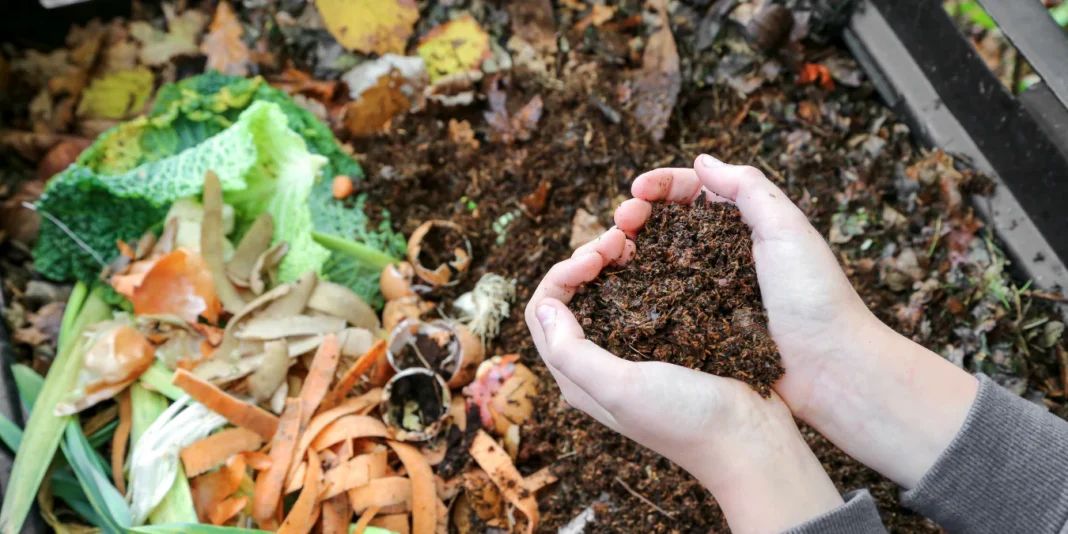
<point x="454" y="47"/>
<point x="366" y="26"/>
<point x="226" y="51"/>
<point x="158" y="47"/>
<point x="117" y="95"/>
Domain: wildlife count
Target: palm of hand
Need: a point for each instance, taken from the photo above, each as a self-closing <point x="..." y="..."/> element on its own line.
<point x="675" y="411"/>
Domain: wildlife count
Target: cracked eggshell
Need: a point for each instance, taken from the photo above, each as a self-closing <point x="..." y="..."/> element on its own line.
<point x="401" y="309"/>
<point x="447" y="273"/>
<point x="395" y="281"/>
<point x="392" y="403"/>
<point x="472" y="354"/>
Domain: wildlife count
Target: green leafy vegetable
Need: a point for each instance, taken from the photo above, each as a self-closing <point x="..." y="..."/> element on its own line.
<point x="270" y="154"/>
<point x="44" y="430"/>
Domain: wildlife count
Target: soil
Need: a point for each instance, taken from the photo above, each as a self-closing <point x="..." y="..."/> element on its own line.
<point x="417" y="173"/>
<point x="690" y="297"/>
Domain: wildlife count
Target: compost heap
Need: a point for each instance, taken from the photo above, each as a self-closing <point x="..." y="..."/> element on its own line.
<point x="521" y="123"/>
<point x="689" y="297"/>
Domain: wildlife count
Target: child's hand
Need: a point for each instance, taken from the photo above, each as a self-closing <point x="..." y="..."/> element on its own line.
<point x="745" y="449"/>
<point x="881" y="398"/>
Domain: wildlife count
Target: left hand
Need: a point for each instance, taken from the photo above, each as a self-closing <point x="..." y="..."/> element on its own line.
<point x="736" y="443"/>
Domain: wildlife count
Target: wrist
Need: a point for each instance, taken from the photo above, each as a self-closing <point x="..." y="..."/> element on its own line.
<point x="768" y="480"/>
<point x="889" y="402"/>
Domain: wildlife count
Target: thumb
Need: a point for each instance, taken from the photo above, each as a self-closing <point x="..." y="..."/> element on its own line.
<point x="764" y="206"/>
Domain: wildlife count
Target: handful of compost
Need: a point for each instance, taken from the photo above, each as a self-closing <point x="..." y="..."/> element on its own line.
<point x="689" y="297"/>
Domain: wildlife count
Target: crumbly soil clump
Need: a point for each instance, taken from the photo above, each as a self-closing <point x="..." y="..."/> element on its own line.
<point x="690" y="297"/>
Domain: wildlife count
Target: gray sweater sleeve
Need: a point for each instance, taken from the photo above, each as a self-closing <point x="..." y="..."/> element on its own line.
<point x="857" y="516"/>
<point x="1005" y="471"/>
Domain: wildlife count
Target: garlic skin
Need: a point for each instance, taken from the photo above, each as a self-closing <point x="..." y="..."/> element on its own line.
<point x="395" y="281"/>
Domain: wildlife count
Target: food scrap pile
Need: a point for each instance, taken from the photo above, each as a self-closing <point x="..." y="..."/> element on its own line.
<point x="690" y="297"/>
<point x="479" y="141"/>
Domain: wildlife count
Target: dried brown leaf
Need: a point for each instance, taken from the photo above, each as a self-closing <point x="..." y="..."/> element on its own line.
<point x="226" y="52"/>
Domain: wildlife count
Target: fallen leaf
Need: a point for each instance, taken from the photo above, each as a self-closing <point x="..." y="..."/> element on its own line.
<point x="456" y="47"/>
<point x="657" y="84"/>
<point x="120" y="56"/>
<point x="117" y="95"/>
<point x="36" y="68"/>
<point x="159" y="47"/>
<point x="226" y="52"/>
<point x="814" y="72"/>
<point x="584" y="228"/>
<point x="509" y="129"/>
<point x="43" y="325"/>
<point x="532" y="21"/>
<point x="461" y="133"/>
<point x="535" y="202"/>
<point x="297" y="82"/>
<point x="60" y="157"/>
<point x="380" y="90"/>
<point x="370" y="26"/>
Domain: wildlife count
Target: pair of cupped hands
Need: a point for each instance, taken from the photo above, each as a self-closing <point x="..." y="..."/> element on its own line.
<point x="846" y="372"/>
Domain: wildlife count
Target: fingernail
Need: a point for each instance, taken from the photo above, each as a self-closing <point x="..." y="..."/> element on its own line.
<point x="546" y="314"/>
<point x="709" y="162"/>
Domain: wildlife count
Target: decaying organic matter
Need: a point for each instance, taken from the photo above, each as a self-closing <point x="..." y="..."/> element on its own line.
<point x="689" y="297"/>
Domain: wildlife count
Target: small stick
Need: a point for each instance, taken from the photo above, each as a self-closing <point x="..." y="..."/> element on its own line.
<point x="666" y="513"/>
<point x="1045" y="296"/>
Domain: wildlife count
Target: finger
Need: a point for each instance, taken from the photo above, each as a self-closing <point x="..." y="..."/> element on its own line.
<point x="597" y="371"/>
<point x="671" y="185"/>
<point x="609" y="245"/>
<point x="564" y="277"/>
<point x="763" y="205"/>
<point x="629" y="251"/>
<point x="631" y="215"/>
<point x="574" y="395"/>
<point x="677" y="185"/>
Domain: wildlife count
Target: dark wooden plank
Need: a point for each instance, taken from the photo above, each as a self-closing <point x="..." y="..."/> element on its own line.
<point x="1018" y="149"/>
<point x="1048" y="111"/>
<point x="1027" y="24"/>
